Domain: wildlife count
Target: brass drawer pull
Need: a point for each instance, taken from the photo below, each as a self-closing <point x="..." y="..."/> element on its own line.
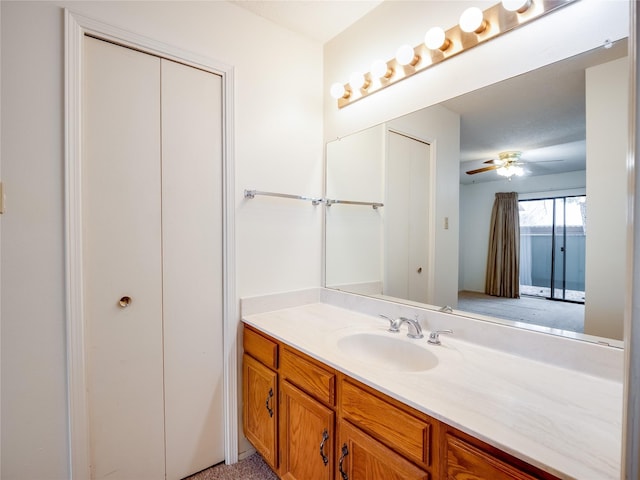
<point x="325" y="437"/>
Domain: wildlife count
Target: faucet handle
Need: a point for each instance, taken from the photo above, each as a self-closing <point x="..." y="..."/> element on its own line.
<point x="434" y="337"/>
<point x="394" y="325"/>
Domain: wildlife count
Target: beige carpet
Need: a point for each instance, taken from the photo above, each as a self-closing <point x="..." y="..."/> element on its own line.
<point x="251" y="468"/>
<point x="535" y="310"/>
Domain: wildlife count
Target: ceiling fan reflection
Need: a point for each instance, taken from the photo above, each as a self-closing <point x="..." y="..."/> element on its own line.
<point x="508" y="164"/>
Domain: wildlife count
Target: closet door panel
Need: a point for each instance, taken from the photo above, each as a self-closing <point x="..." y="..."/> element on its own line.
<point x="122" y="257"/>
<point x="192" y="246"/>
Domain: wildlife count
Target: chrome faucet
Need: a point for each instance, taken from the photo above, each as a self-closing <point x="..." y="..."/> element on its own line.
<point x="415" y="330"/>
<point x="434" y="337"/>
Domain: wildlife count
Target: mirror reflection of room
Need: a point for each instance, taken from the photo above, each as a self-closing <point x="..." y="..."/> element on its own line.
<point x="537" y="135"/>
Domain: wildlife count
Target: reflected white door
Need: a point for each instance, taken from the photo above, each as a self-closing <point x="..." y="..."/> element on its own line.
<point x="407" y="218"/>
<point x="152" y="230"/>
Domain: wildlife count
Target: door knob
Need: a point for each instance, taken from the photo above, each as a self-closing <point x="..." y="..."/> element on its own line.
<point x="124" y="302"/>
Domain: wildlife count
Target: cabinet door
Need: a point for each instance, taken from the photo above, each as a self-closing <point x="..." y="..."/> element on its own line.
<point x="306" y="436"/>
<point x="361" y="457"/>
<point x="466" y="462"/>
<point x="260" y="394"/>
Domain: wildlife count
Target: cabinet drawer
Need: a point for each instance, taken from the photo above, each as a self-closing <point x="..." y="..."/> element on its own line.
<point x="466" y="462"/>
<point x="308" y="375"/>
<point x="364" y="458"/>
<point x="260" y="348"/>
<point x="386" y="422"/>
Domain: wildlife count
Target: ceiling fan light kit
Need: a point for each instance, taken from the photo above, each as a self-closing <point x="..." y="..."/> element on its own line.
<point x="506" y="165"/>
<point x="509" y="171"/>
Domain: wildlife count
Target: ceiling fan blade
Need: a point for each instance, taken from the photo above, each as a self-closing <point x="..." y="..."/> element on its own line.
<point x="483" y="169"/>
<point x="493" y="160"/>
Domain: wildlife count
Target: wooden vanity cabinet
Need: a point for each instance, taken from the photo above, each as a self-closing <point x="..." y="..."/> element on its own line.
<point x="361" y="457"/>
<point x="293" y="405"/>
<point x="307" y="417"/>
<point x="260" y="409"/>
<point x="393" y="424"/>
<point x="293" y="428"/>
<point x="306" y="436"/>
<point x="260" y="395"/>
<point x="467" y="458"/>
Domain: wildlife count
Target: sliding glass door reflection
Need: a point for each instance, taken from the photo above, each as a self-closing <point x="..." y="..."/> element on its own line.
<point x="552" y="248"/>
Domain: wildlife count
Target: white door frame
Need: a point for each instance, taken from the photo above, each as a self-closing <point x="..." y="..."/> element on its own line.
<point x="76" y="26"/>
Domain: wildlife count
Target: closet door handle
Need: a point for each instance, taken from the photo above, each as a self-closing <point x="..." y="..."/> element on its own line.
<point x="269" y="397"/>
<point x="345" y="452"/>
<point x="125" y="301"/>
<point x="325" y="437"/>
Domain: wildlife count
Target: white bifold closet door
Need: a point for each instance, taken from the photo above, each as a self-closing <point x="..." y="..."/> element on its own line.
<point x="152" y="229"/>
<point x="406" y="256"/>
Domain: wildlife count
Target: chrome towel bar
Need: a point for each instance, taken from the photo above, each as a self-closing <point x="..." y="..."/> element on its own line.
<point x="375" y="205"/>
<point x="253" y="193"/>
<point x="314" y="201"/>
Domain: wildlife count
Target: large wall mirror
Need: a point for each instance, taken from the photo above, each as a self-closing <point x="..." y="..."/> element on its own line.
<point x="428" y="244"/>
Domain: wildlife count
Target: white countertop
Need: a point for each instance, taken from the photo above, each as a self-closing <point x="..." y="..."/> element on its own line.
<point x="563" y="421"/>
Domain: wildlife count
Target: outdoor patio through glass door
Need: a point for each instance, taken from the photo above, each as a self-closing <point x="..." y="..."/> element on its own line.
<point x="552" y="247"/>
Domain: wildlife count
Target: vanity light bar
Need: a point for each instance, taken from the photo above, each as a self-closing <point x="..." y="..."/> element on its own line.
<point x="442" y="45"/>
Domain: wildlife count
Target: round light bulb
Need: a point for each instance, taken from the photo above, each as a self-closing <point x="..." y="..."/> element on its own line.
<point x="380" y="69"/>
<point x="405" y="55"/>
<point x="519" y="6"/>
<point x="435" y="39"/>
<point x="337" y="91"/>
<point x="472" y="20"/>
<point x="356" y="80"/>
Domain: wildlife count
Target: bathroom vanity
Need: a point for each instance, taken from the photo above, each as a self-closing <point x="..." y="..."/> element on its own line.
<point x="329" y="393"/>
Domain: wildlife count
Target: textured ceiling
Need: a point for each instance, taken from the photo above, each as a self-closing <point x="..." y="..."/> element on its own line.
<point x="540" y="113"/>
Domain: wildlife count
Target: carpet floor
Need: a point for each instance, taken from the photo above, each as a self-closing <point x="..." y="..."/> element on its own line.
<point x="251" y="468"/>
<point x="535" y="310"/>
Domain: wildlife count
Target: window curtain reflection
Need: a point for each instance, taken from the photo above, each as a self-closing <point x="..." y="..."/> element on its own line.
<point x="503" y="261"/>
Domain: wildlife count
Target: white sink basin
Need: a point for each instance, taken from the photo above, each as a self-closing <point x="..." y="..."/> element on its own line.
<point x="388" y="352"/>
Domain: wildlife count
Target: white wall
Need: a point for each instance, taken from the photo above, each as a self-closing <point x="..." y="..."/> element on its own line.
<point x="476" y="203"/>
<point x="607" y="93"/>
<point x="278" y="147"/>
<point x="355" y="171"/>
